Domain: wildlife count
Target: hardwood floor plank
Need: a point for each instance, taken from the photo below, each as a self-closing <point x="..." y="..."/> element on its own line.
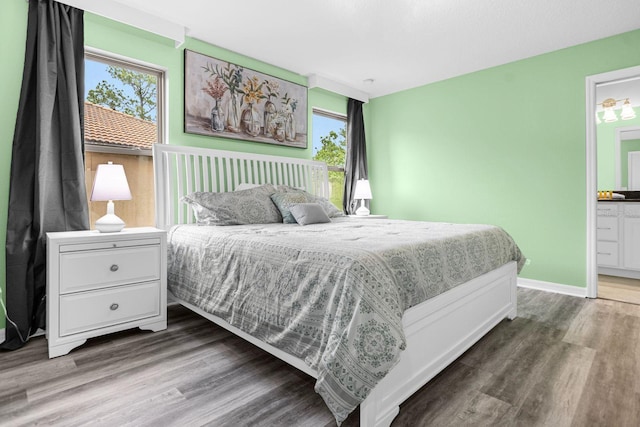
<point x="515" y="376"/>
<point x="592" y="327"/>
<point x="619" y="289"/>
<point x="552" y="400"/>
<point x="611" y="395"/>
<point x="121" y="362"/>
<point x="275" y="409"/>
<point x="563" y="361"/>
<point x="618" y="307"/>
<point x="497" y="346"/>
<point x="482" y="410"/>
<point x="440" y="400"/>
<point x="554" y="310"/>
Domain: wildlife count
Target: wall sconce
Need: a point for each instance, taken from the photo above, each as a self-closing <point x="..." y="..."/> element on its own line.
<point x="610" y="116"/>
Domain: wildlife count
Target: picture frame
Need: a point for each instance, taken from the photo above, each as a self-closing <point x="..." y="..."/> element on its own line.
<point x="223" y="99"/>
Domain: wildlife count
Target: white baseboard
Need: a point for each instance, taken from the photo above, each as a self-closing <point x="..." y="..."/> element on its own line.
<point x="1" y="335"/>
<point x="557" y="288"/>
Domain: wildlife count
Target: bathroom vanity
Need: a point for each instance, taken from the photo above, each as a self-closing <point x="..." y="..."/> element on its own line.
<point x="618" y="235"/>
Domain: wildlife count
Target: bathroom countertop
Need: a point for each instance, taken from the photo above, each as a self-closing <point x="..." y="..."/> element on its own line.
<point x="631" y="196"/>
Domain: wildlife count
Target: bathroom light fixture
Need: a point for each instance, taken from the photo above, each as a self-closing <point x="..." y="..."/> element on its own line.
<point x="627" y="112"/>
<point x="610" y="115"/>
<point x="362" y="192"/>
<point x="110" y="183"/>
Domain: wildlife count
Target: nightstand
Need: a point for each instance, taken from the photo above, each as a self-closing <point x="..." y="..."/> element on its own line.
<point x="368" y="216"/>
<point x="98" y="283"/>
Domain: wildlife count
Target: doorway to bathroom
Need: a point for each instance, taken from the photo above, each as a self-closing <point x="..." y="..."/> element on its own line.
<point x="613" y="201"/>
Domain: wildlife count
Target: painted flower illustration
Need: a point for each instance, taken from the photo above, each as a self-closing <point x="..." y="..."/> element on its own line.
<point x="289" y="103"/>
<point x="231" y="75"/>
<point x="273" y="88"/>
<point x="216" y="89"/>
<point x="253" y="91"/>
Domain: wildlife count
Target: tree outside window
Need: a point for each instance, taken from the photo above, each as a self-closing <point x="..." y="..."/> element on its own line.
<point x="330" y="146"/>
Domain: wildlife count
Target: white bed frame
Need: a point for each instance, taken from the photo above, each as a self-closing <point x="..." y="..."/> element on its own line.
<point x="437" y="331"/>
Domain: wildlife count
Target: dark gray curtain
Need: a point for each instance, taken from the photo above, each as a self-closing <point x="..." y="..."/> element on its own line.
<point x="47" y="188"/>
<point x="355" y="167"/>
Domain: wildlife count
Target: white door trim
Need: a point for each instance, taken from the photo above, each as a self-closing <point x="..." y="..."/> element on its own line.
<point x="592" y="168"/>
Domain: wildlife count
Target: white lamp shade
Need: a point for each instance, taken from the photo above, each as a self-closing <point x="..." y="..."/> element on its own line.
<point x="627" y="111"/>
<point x="363" y="190"/>
<point x="110" y="183"/>
<point x="609" y="115"/>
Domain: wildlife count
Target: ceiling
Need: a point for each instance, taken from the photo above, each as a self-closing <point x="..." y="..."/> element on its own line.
<point x="399" y="44"/>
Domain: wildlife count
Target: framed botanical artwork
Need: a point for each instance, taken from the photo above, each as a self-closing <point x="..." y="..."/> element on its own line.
<point x="227" y="100"/>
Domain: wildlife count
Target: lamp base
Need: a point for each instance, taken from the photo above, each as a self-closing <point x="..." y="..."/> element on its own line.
<point x="362" y="210"/>
<point x="109" y="223"/>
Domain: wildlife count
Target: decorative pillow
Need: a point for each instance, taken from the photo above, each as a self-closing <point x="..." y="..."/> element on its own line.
<point x="329" y="208"/>
<point x="284" y="201"/>
<point x="309" y="213"/>
<point x="252" y="206"/>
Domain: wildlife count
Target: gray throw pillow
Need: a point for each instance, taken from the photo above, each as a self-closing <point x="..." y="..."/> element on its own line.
<point x="252" y="206"/>
<point x="283" y="203"/>
<point x="309" y="213"/>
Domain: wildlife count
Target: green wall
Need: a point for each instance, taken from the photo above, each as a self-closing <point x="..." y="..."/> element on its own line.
<point x="606" y="143"/>
<point x="503" y="146"/>
<point x="123" y="40"/>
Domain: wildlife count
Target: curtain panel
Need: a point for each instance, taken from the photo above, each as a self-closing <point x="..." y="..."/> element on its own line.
<point x="355" y="167"/>
<point x="47" y="186"/>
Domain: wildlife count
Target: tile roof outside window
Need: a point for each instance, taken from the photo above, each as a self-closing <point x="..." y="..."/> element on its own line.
<point x="104" y="126"/>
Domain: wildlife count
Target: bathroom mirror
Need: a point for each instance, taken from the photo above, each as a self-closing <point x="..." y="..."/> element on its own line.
<point x="617" y="134"/>
<point x="627" y="155"/>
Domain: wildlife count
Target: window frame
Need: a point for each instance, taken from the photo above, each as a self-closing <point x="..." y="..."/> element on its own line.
<point x="162" y="110"/>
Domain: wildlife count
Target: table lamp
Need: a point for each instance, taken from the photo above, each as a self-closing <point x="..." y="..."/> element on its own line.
<point x="363" y="192"/>
<point x="110" y="184"/>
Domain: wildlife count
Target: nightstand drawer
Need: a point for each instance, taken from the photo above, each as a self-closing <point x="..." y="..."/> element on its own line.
<point x="86" y="311"/>
<point x="87" y="270"/>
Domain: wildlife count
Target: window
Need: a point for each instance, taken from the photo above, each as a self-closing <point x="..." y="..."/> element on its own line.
<point x="123" y="119"/>
<point x="330" y="146"/>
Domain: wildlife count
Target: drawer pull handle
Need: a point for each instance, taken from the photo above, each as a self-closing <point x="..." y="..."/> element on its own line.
<point x="114" y="267"/>
<point x="604" y="253"/>
<point x="114" y="306"/>
<point x="604" y="228"/>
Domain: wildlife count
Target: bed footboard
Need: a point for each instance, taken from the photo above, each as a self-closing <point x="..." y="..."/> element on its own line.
<point x="438" y="331"/>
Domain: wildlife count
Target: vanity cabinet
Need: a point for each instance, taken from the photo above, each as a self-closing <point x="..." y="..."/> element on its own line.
<point x="631" y="238"/>
<point x="618" y="239"/>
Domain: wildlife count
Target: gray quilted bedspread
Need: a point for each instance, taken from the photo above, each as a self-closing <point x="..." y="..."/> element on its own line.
<point x="330" y="294"/>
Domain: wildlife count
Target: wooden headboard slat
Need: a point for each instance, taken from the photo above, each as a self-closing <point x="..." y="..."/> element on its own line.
<point x="180" y="170"/>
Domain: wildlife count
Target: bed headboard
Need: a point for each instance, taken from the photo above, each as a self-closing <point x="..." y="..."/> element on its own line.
<point x="180" y="170"/>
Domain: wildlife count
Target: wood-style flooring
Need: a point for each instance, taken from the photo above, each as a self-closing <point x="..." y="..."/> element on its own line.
<point x="619" y="289"/>
<point x="564" y="361"/>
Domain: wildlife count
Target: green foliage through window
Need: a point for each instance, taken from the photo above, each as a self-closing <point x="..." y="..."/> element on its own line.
<point x="139" y="98"/>
<point x="332" y="152"/>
